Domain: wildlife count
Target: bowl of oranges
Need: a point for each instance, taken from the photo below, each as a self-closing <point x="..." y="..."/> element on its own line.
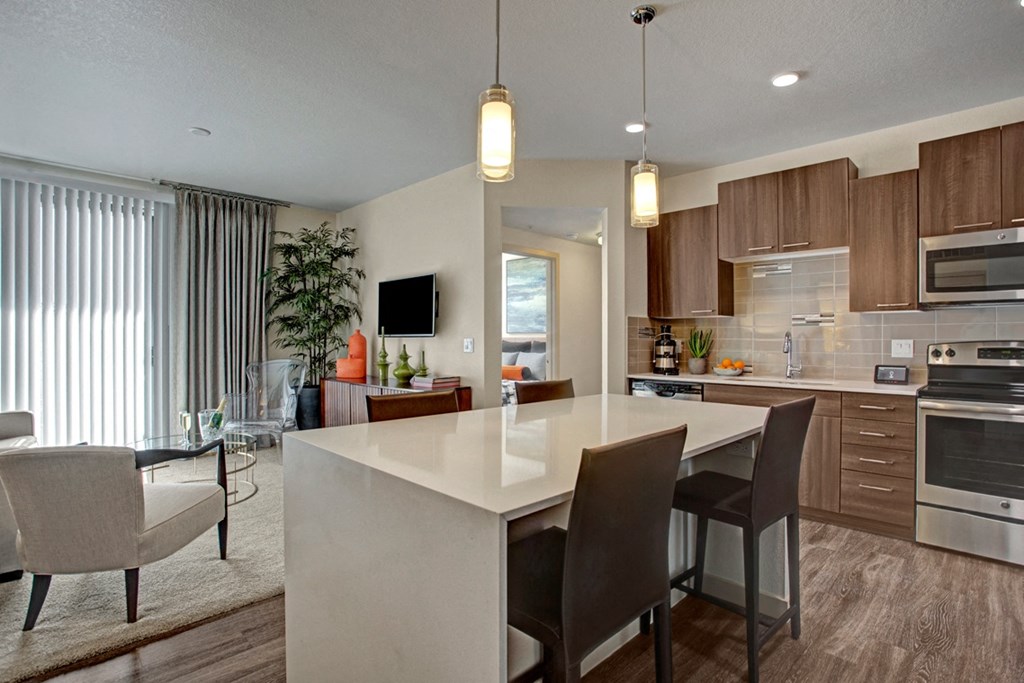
<point x="729" y="368"/>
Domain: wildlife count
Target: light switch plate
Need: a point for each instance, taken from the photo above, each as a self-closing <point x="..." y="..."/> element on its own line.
<point x="467" y="345"/>
<point x="902" y="348"/>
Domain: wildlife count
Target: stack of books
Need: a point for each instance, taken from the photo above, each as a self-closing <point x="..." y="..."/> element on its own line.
<point x="435" y="382"/>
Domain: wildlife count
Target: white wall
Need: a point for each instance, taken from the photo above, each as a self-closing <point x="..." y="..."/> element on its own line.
<point x="548" y="183"/>
<point x="874" y="153"/>
<point x="433" y="226"/>
<point x="578" y="314"/>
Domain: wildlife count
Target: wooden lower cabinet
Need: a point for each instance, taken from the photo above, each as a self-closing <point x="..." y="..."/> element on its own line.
<point x="819" y="468"/>
<point x="859" y="461"/>
<point x="820" y="465"/>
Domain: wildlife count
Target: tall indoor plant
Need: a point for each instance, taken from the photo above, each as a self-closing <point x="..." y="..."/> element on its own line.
<point x="312" y="290"/>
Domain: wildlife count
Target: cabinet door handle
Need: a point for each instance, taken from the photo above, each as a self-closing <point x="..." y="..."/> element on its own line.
<point x="905" y="303"/>
<point x="865" y="407"/>
<point x="706" y="310"/>
<point x="875" y="488"/>
<point x="877" y="462"/>
<point x="796" y="244"/>
<point x="971" y="225"/>
<point x="879" y="434"/>
<point x="772" y="246"/>
<point x="1017" y="220"/>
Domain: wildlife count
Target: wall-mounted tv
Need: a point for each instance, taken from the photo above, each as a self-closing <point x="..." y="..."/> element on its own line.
<point x="407" y="307"/>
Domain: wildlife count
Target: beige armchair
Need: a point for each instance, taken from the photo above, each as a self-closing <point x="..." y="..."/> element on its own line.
<point x="17" y="430"/>
<point x="85" y="509"/>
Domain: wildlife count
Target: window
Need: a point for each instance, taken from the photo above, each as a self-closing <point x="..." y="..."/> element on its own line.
<point x="84" y="312"/>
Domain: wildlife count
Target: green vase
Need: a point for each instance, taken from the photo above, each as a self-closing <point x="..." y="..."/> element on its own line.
<point x="403" y="371"/>
<point x="422" y="370"/>
<point x="382" y="358"/>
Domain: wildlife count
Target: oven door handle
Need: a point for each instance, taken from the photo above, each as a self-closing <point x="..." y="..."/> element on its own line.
<point x="958" y="407"/>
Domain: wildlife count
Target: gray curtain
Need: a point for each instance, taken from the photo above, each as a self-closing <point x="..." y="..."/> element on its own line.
<point x="227" y="244"/>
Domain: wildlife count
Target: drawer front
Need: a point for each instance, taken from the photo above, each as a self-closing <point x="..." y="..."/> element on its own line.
<point x="880" y="407"/>
<point x="884" y="461"/>
<point x="883" y="499"/>
<point x="826" y="404"/>
<point x="875" y="433"/>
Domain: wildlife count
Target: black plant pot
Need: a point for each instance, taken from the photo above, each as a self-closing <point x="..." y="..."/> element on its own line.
<point x="307" y="413"/>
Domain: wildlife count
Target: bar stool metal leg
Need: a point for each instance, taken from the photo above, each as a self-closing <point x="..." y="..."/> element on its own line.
<point x="702" y="546"/>
<point x="793" y="552"/>
<point x="751" y="583"/>
<point x="663" y="642"/>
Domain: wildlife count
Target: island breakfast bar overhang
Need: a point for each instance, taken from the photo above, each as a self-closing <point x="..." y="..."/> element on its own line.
<point x="396" y="532"/>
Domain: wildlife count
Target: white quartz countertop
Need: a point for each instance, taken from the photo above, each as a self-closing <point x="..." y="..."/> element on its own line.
<point x="782" y="383"/>
<point x="516" y="459"/>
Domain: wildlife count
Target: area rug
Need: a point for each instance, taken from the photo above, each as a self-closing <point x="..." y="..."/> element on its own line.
<point x="84" y="615"/>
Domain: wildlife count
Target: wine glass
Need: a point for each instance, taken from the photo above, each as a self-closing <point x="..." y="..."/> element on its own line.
<point x="185" y="421"/>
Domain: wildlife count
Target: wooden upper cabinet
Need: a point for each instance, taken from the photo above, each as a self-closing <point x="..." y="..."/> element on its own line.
<point x="814" y="206"/>
<point x="960" y="183"/>
<point x="1013" y="175"/>
<point x="685" y="279"/>
<point x="748" y="216"/>
<point x="883" y="243"/>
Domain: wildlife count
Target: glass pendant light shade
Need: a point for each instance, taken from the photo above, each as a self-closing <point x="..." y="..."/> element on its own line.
<point x="644" y="195"/>
<point x="496" y="135"/>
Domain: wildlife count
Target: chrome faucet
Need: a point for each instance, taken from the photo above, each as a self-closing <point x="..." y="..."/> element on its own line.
<point x="787" y="348"/>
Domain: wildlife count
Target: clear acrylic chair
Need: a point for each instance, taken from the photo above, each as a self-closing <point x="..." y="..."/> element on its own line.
<point x="268" y="407"/>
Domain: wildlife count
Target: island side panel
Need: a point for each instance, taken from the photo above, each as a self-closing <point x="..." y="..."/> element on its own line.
<point x="386" y="580"/>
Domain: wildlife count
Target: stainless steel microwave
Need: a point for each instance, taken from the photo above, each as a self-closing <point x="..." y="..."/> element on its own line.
<point x="976" y="267"/>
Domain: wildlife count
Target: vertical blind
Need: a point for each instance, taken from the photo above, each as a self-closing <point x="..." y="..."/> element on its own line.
<point x="85" y="312"/>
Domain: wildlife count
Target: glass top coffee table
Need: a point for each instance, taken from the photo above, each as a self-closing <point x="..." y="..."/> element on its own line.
<point x="236" y="470"/>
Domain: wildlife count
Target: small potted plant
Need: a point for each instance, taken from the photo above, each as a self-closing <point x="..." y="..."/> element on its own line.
<point x="312" y="291"/>
<point x="699" y="345"/>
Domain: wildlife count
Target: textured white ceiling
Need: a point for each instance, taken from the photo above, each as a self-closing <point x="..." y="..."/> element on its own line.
<point x="330" y="103"/>
<point x="576" y="224"/>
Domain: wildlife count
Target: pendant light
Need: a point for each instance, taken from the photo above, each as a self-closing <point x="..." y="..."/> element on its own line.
<point x="644" y="193"/>
<point x="496" y="124"/>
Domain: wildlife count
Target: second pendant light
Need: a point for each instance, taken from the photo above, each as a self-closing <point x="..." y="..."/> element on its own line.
<point x="644" y="192"/>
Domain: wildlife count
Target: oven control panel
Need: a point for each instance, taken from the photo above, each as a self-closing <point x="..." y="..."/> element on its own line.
<point x="992" y="353"/>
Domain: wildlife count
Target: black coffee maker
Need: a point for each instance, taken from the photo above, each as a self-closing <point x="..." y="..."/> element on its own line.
<point x="665" y="357"/>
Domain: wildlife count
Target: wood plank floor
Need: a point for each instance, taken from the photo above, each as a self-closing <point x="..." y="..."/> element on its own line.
<point x="875" y="609"/>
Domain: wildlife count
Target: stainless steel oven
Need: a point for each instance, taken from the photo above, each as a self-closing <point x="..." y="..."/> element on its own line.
<point x="970" y="449"/>
<point x="975" y="267"/>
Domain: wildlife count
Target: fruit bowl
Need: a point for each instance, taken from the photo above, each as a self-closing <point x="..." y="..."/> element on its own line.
<point x="727" y="372"/>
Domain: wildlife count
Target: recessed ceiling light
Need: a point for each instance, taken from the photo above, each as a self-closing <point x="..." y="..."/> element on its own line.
<point x="636" y="127"/>
<point x="201" y="132"/>
<point x="786" y="79"/>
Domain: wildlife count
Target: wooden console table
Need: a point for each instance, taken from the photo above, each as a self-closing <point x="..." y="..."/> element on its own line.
<point x="343" y="401"/>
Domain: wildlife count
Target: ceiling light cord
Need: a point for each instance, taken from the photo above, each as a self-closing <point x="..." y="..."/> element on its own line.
<point x="643" y="80"/>
<point x="497" y="42"/>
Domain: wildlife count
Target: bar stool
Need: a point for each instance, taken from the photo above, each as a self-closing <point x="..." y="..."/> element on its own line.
<point x="421" y="404"/>
<point x="754" y="505"/>
<point x="573" y="589"/>
<point x="550" y="390"/>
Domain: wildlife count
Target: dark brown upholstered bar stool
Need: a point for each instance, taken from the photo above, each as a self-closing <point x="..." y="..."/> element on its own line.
<point x="550" y="390"/>
<point x="574" y="589"/>
<point x="398" y="406"/>
<point x="754" y="505"/>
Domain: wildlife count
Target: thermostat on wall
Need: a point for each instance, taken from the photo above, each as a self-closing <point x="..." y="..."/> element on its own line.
<point x="892" y="374"/>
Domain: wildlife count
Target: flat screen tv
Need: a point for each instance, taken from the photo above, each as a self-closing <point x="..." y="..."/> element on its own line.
<point x="407" y="307"/>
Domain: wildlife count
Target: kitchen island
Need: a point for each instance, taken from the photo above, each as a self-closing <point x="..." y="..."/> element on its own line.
<point x="396" y="532"/>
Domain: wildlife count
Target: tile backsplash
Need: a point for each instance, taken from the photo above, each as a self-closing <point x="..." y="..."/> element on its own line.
<point x="847" y="349"/>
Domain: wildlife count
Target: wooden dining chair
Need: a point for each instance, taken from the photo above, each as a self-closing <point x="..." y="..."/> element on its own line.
<point x="573" y="589"/>
<point x="550" y="390"/>
<point x="771" y="494"/>
<point x="420" y="404"/>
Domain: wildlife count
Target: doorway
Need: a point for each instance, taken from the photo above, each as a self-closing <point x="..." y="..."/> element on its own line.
<point x="528" y="317"/>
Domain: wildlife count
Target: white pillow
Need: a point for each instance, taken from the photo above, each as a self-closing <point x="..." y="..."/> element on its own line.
<point x="509" y="357"/>
<point x="534" y="361"/>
